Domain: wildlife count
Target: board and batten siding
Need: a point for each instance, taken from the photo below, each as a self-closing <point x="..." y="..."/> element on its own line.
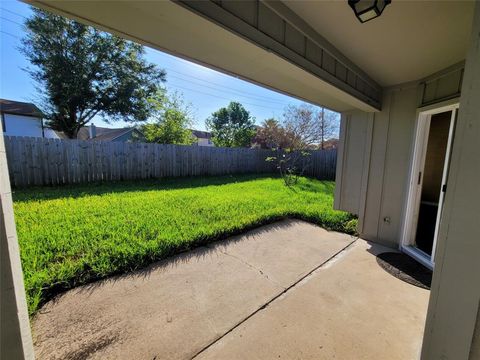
<point x="442" y="86"/>
<point x="375" y="152"/>
<point x="40" y="161"/>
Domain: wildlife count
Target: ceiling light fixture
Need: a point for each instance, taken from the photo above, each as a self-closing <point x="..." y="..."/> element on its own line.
<point x="366" y="10"/>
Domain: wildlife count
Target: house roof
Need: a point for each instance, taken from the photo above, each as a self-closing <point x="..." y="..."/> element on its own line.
<point x="202" y="134"/>
<point x="104" y="134"/>
<point x="19" y="108"/>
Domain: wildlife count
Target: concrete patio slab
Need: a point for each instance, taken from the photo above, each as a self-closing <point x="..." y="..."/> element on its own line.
<point x="177" y="307"/>
<point x="285" y="256"/>
<point x="348" y="309"/>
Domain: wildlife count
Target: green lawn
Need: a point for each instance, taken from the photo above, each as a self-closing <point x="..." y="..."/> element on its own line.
<point x="75" y="234"/>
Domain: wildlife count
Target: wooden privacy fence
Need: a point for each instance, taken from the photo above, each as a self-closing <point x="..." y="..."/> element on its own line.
<point x="322" y="164"/>
<point x="39" y="161"/>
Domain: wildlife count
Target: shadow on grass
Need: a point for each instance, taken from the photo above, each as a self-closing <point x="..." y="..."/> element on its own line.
<point x="328" y="186"/>
<point x="100" y="188"/>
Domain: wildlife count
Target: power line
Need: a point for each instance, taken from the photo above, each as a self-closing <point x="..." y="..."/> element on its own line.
<point x="213" y="83"/>
<point x="249" y="95"/>
<point x="253" y="97"/>
<point x="221" y="97"/>
<point x="14" y="13"/>
<point x="15" y="36"/>
<point x="12" y="21"/>
<point x="233" y="91"/>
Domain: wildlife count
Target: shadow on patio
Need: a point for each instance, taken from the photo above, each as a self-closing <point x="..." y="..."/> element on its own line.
<point x="286" y="290"/>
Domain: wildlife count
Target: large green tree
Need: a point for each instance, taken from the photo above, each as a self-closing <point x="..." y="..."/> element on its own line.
<point x="82" y="72"/>
<point x="172" y="123"/>
<point x="231" y="126"/>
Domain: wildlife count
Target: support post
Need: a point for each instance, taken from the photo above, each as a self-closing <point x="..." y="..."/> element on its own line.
<point x="455" y="295"/>
<point x="15" y="334"/>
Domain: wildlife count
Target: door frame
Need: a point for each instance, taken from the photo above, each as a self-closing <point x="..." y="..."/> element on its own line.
<point x="415" y="180"/>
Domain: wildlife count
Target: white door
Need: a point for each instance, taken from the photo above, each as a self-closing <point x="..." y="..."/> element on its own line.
<point x="428" y="182"/>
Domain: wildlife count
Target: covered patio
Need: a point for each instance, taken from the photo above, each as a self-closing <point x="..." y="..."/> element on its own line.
<point x="319" y="295"/>
<point x="287" y="290"/>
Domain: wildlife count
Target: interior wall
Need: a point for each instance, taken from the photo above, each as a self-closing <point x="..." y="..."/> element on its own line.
<point x="435" y="156"/>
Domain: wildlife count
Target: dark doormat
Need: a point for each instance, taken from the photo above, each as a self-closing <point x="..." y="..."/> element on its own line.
<point x="405" y="268"/>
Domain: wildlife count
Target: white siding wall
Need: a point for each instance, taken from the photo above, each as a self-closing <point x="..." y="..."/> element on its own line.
<point x="50" y="134"/>
<point x="204" y="142"/>
<point x="19" y="125"/>
<point x="353" y="158"/>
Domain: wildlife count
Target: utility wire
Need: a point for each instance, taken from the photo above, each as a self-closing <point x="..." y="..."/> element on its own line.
<point x="221" y="97"/>
<point x="233" y="91"/>
<point x="219" y="87"/>
<point x="226" y="89"/>
<point x="248" y="95"/>
<point x="12" y="21"/>
<point x="216" y="84"/>
<point x="15" y="36"/>
<point x="13" y="12"/>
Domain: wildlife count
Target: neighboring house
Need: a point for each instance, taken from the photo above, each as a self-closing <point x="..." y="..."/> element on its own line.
<point x="203" y="138"/>
<point x="127" y="134"/>
<point x="330" y="144"/>
<point x="21" y="119"/>
<point x="25" y="119"/>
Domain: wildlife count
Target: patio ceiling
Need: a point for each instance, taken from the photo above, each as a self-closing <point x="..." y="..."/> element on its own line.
<point x="320" y="54"/>
<point x="178" y="29"/>
<point x="411" y="40"/>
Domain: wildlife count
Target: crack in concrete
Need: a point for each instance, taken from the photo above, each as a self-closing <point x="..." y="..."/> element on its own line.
<point x="254" y="268"/>
<point x="334" y="257"/>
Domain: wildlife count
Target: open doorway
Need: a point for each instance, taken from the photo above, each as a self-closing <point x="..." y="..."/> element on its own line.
<point x="428" y="182"/>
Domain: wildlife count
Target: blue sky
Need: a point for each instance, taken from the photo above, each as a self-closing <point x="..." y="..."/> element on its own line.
<point x="205" y="89"/>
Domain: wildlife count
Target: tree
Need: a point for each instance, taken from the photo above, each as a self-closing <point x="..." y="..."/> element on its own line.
<point x="304" y="128"/>
<point x="173" y="121"/>
<point x="271" y="135"/>
<point x="231" y="126"/>
<point x="82" y="72"/>
<point x="302" y="123"/>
